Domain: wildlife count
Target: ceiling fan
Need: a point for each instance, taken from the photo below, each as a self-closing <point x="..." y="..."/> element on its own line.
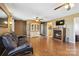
<point x="38" y="19"/>
<point x="67" y="5"/>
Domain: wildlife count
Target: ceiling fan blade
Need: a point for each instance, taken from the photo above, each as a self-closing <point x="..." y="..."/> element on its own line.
<point x="61" y="6"/>
<point x="38" y="18"/>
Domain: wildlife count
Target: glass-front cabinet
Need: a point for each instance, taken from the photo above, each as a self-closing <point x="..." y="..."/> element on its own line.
<point x="35" y="29"/>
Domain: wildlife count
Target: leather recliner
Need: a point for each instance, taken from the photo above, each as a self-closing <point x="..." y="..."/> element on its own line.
<point x="19" y="39"/>
<point x="12" y="48"/>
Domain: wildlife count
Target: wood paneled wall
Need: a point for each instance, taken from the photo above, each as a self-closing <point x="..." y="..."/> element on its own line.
<point x="20" y="27"/>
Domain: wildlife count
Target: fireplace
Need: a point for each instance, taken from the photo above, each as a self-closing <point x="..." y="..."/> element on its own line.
<point x="59" y="34"/>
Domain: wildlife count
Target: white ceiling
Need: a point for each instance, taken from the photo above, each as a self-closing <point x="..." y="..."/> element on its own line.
<point x="42" y="10"/>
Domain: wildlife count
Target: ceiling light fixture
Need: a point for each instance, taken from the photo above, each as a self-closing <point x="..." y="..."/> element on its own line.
<point x="66" y="6"/>
<point x="5" y="22"/>
<point x="37" y="19"/>
<point x="10" y="22"/>
<point x="71" y="5"/>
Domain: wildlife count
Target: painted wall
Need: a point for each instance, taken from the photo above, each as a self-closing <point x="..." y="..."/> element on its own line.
<point x="69" y="25"/>
<point x="49" y="31"/>
<point x="28" y="28"/>
<point x="13" y="25"/>
<point x="3" y="30"/>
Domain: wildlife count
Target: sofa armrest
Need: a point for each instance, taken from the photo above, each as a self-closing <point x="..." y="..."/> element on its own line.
<point x="20" y="49"/>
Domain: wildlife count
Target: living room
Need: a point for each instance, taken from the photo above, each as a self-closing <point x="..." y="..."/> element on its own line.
<point x="39" y="32"/>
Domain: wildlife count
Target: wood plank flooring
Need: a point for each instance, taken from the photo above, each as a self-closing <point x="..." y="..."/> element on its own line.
<point x="43" y="46"/>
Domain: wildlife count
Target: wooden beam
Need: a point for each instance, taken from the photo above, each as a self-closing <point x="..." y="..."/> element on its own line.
<point x="6" y="9"/>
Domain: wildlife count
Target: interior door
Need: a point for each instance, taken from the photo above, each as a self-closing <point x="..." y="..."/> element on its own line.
<point x="20" y="27"/>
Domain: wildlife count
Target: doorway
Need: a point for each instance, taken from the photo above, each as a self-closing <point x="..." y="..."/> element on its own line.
<point x="43" y="29"/>
<point x="76" y="23"/>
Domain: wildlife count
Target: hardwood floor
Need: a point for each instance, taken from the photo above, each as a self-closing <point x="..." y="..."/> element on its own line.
<point x="43" y="46"/>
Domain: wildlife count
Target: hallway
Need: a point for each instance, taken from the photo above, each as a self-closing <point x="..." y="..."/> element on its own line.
<point x="43" y="46"/>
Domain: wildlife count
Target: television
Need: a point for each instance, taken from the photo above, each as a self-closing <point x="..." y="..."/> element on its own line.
<point x="60" y="22"/>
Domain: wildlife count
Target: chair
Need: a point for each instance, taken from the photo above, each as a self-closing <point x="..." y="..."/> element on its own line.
<point x="19" y="39"/>
<point x="12" y="49"/>
<point x="2" y="48"/>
